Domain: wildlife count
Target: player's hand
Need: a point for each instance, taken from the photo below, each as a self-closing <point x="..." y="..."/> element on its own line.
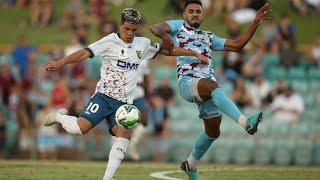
<point x="263" y="13"/>
<point x="203" y="59"/>
<point x="54" y="65"/>
<point x="167" y="42"/>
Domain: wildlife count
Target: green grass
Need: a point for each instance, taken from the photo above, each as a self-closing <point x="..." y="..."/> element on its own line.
<point x="15" y="21"/>
<point x="69" y="170"/>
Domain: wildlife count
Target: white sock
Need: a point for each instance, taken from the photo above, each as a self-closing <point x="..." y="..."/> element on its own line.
<point x="69" y="123"/>
<point x="243" y="121"/>
<point x="192" y="162"/>
<point x="137" y="134"/>
<point x="116" y="155"/>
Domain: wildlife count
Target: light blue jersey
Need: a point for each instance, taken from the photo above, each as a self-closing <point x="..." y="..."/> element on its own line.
<point x="198" y="40"/>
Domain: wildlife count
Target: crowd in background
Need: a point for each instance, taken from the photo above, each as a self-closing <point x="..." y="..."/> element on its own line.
<point x="28" y="91"/>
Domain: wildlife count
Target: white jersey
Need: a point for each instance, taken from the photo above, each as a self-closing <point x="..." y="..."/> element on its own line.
<point x="120" y="64"/>
<point x="142" y="71"/>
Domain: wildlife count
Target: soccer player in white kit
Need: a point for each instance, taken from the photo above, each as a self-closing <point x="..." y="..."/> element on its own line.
<point x="121" y="55"/>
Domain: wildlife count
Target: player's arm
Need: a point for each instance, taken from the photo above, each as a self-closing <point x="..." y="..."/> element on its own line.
<point x="162" y="31"/>
<point x="75" y="57"/>
<point x="177" y="51"/>
<point x="239" y="43"/>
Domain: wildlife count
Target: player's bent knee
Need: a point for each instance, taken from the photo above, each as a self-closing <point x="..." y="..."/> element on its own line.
<point x="213" y="133"/>
<point x="84" y="125"/>
<point x="122" y="132"/>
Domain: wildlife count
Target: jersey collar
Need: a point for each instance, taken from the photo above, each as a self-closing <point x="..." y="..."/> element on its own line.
<point x="122" y="42"/>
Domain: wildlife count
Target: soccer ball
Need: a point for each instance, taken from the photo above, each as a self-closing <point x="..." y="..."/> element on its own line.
<point x="128" y="116"/>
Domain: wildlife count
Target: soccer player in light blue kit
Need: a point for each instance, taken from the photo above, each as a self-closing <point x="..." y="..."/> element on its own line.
<point x="197" y="83"/>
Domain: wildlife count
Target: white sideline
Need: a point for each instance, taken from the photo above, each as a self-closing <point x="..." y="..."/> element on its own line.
<point x="162" y="174"/>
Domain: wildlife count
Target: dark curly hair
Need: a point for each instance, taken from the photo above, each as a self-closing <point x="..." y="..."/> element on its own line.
<point x="131" y="15"/>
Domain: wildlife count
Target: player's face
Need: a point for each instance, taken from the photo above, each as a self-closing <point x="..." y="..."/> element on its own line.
<point x="193" y="15"/>
<point x="128" y="31"/>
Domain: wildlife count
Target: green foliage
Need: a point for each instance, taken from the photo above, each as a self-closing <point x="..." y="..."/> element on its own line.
<point x="16" y="21"/>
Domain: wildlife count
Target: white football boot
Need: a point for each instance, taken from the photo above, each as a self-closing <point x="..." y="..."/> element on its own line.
<point x="50" y="119"/>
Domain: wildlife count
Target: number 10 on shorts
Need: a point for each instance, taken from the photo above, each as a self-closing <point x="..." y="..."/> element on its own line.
<point x="93" y="108"/>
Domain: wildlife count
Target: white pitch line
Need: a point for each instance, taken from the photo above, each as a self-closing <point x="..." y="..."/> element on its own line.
<point x="162" y="174"/>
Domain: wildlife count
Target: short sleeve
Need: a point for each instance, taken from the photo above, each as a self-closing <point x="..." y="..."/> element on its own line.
<point x="100" y="46"/>
<point x="151" y="49"/>
<point x="217" y="43"/>
<point x="175" y="25"/>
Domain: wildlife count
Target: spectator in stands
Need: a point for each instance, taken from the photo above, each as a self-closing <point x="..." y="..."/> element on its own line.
<point x="2" y="133"/>
<point x="107" y="26"/>
<point x="289" y="55"/>
<point x="233" y="65"/>
<point x="20" y="55"/>
<point x="254" y="66"/>
<point x="176" y="5"/>
<point x="80" y="28"/>
<point x="270" y="34"/>
<point x="315" y="51"/>
<point x="74" y="46"/>
<point x="73" y="9"/>
<point x="7" y="82"/>
<point x="60" y="93"/>
<point x="97" y="10"/>
<point x="287" y="107"/>
<point x="46" y="136"/>
<point x="259" y="90"/>
<point x="160" y="100"/>
<point x="274" y="92"/>
<point x="41" y="12"/>
<point x="240" y="95"/>
<point x="287" y="31"/>
<point x="299" y="6"/>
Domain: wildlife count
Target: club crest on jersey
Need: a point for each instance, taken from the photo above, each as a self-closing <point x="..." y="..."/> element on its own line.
<point x="127" y="65"/>
<point x="139" y="54"/>
<point x="123" y="53"/>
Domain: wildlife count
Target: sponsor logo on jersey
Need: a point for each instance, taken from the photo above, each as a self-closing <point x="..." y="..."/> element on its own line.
<point x="139" y="54"/>
<point x="127" y="65"/>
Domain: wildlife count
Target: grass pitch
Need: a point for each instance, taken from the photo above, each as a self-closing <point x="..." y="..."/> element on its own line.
<point x="68" y="170"/>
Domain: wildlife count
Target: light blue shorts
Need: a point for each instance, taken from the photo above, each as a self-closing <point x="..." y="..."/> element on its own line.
<point x="188" y="91"/>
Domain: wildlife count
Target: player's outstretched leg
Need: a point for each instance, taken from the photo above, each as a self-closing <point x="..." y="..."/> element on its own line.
<point x="209" y="89"/>
<point x="253" y="122"/>
<point x="201" y="146"/>
<point x="192" y="173"/>
<point x="226" y="105"/>
<point x="117" y="151"/>
<point x="69" y="123"/>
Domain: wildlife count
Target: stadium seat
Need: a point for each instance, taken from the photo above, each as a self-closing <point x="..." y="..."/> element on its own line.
<point x="179" y="149"/>
<point x="263" y="151"/>
<point x="314" y="73"/>
<point x="299" y="85"/>
<point x="283" y="152"/>
<point x="94" y="67"/>
<point x="271" y="60"/>
<point x="299" y="131"/>
<point x="6" y="58"/>
<point x="276" y="73"/>
<point x="303" y="152"/>
<point x="42" y="58"/>
<point x="279" y="131"/>
<point x="221" y="150"/>
<point x="216" y="60"/>
<point x="242" y="151"/>
<point x="297" y="73"/>
<point x="316" y="155"/>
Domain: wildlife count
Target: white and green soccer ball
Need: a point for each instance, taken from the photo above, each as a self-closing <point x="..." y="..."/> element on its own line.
<point x="128" y="116"/>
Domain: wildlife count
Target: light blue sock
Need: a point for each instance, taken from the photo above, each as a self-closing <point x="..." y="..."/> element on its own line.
<point x="202" y="144"/>
<point x="225" y="104"/>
